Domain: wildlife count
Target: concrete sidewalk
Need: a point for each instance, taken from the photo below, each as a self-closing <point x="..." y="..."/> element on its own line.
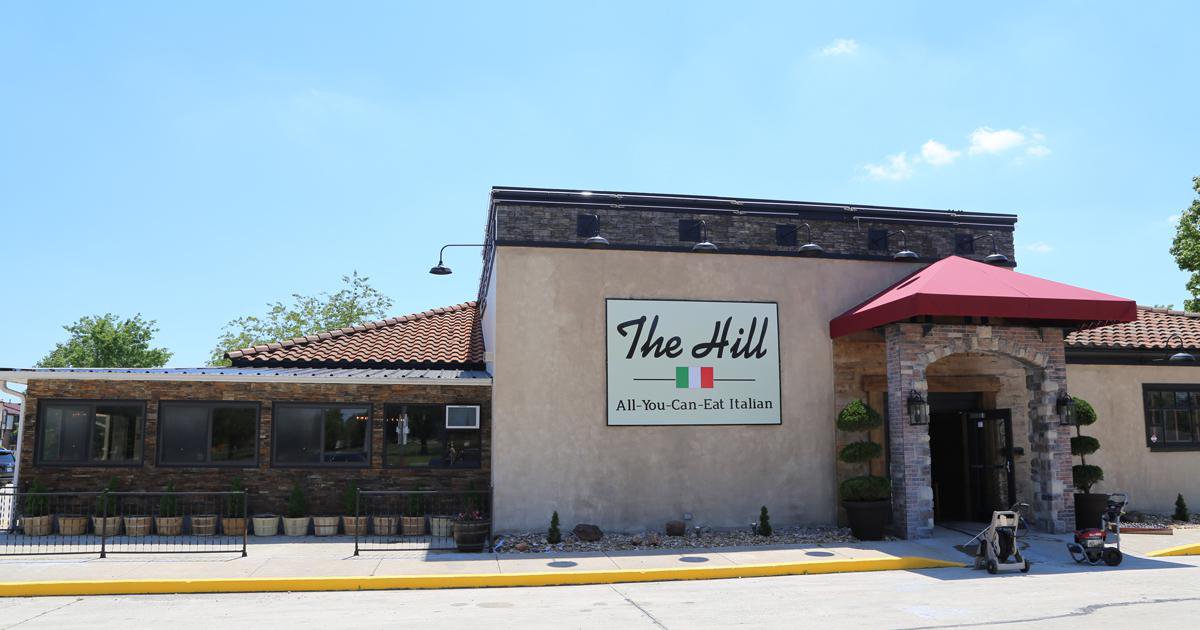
<point x="309" y="558"/>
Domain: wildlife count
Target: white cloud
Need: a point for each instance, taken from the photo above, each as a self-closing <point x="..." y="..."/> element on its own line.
<point x="988" y="140"/>
<point x="896" y="168"/>
<point x="937" y="153"/>
<point x="840" y="47"/>
<point x="1039" y="247"/>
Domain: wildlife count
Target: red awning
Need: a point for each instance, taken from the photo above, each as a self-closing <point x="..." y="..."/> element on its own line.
<point x="956" y="286"/>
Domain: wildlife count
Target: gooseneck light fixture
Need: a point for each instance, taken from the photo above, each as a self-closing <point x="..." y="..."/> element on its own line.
<point x="440" y="269"/>
<point x="918" y="409"/>
<point x="905" y="253"/>
<point x="994" y="258"/>
<point x="1182" y="356"/>
<point x="810" y="247"/>
<point x="595" y="241"/>
<point x="704" y="245"/>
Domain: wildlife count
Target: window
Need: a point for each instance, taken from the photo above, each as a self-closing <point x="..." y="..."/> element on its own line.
<point x="321" y="435"/>
<point x="204" y="434"/>
<point x="432" y="436"/>
<point x="587" y="225"/>
<point x="877" y="240"/>
<point x="87" y="433"/>
<point x="964" y="244"/>
<point x="786" y="235"/>
<point x="1172" y="417"/>
<point x="689" y="230"/>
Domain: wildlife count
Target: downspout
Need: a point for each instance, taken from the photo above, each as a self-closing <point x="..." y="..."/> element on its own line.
<point x="4" y="387"/>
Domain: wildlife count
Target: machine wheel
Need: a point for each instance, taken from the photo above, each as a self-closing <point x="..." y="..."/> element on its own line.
<point x="1025" y="567"/>
<point x="992" y="568"/>
<point x="1112" y="556"/>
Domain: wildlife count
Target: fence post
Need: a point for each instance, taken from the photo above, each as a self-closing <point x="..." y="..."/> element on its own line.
<point x="245" y="523"/>
<point x="104" y="524"/>
<point x="357" y="520"/>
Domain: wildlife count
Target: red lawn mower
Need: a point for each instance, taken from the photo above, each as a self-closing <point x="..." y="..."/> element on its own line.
<point x="1101" y="544"/>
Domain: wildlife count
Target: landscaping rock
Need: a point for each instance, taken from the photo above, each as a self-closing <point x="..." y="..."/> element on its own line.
<point x="704" y="538"/>
<point x="676" y="528"/>
<point x="587" y="532"/>
<point x="652" y="540"/>
<point x="522" y="547"/>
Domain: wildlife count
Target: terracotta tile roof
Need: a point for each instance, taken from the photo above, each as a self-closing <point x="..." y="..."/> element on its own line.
<point x="442" y="336"/>
<point x="1149" y="331"/>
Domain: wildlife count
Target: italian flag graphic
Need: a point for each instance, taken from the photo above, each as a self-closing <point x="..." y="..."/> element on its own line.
<point x="693" y="378"/>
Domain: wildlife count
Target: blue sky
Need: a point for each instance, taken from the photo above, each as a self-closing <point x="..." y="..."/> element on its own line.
<point x="193" y="163"/>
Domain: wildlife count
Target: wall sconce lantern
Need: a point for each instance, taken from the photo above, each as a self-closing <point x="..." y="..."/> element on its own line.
<point x="705" y="245"/>
<point x="1066" y="409"/>
<point x="1183" y="356"/>
<point x="905" y="253"/>
<point x="918" y="409"/>
<point x="440" y="269"/>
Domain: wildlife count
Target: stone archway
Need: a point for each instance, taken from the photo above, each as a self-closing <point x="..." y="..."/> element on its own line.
<point x="911" y="348"/>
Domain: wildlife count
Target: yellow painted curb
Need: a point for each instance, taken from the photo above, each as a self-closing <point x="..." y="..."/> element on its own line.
<point x="1181" y="550"/>
<point x="482" y="580"/>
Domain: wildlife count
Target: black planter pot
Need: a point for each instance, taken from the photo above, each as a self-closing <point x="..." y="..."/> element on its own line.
<point x="868" y="519"/>
<point x="1089" y="508"/>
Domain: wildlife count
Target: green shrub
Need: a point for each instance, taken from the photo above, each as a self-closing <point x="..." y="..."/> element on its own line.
<point x="235" y="505"/>
<point x="1085" y="476"/>
<point x="36" y="503"/>
<point x="763" y="528"/>
<point x="866" y="488"/>
<point x="415" y="506"/>
<point x="858" y="452"/>
<point x="1181" y="511"/>
<point x="350" y="499"/>
<point x="1085" y="413"/>
<point x="297" y="505"/>
<point x="106" y="503"/>
<point x="168" y="505"/>
<point x="554" y="534"/>
<point x="858" y="416"/>
<point x="1084" y="445"/>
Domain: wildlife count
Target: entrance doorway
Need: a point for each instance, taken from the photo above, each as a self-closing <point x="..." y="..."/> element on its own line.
<point x="971" y="455"/>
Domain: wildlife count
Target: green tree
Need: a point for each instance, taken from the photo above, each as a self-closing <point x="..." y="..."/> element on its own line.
<point x="1186" y="247"/>
<point x="355" y="303"/>
<point x="108" y="341"/>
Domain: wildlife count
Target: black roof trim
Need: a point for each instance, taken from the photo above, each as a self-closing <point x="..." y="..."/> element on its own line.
<point x="731" y="205"/>
<point x="1083" y="355"/>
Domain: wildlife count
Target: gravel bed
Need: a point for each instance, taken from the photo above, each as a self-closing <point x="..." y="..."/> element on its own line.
<point x="535" y="542"/>
<point x="1143" y="519"/>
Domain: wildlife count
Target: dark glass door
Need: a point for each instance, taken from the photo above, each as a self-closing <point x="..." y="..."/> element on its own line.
<point x="990" y="475"/>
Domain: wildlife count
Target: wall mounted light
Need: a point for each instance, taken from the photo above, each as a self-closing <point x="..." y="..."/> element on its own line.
<point x="1182" y="356"/>
<point x="905" y="253"/>
<point x="809" y="248"/>
<point x="918" y="409"/>
<point x="704" y="245"/>
<point x="595" y="241"/>
<point x="1065" y="406"/>
<point x="994" y="258"/>
<point x="441" y="269"/>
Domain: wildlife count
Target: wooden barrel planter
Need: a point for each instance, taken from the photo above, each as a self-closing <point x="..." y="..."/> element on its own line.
<point x="385" y="525"/>
<point x="138" y="525"/>
<point x="412" y="525"/>
<point x="204" y="525"/>
<point x="297" y="526"/>
<point x="325" y="525"/>
<point x="441" y="526"/>
<point x="233" y="526"/>
<point x="168" y="525"/>
<point x="471" y="535"/>
<point x="72" y="524"/>
<point x="106" y="525"/>
<point x="355" y="525"/>
<point x="265" y="524"/>
<point x="36" y="525"/>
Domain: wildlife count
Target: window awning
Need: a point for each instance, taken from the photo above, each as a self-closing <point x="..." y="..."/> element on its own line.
<point x="959" y="287"/>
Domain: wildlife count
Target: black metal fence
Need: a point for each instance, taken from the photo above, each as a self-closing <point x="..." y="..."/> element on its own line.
<point x="46" y="523"/>
<point x="387" y="520"/>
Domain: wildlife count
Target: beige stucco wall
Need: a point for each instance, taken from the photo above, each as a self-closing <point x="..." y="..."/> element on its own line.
<point x="552" y="449"/>
<point x="1151" y="479"/>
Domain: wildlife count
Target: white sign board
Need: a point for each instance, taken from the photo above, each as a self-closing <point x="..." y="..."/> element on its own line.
<point x="679" y="362"/>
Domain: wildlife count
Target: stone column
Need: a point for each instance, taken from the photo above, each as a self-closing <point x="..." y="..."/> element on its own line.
<point x="909" y="466"/>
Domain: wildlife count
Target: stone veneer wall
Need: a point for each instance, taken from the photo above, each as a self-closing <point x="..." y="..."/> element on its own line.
<point x="267" y="487"/>
<point x="736" y="233"/>
<point x="910" y="350"/>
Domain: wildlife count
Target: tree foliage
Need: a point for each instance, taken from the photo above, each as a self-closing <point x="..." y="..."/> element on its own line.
<point x="107" y="341"/>
<point x="355" y="303"/>
<point x="1186" y="248"/>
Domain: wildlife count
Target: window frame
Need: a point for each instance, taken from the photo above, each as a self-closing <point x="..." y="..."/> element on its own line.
<point x="158" y="432"/>
<point x="1163" y="446"/>
<point x="441" y="426"/>
<point x="478" y="418"/>
<point x="92" y="403"/>
<point x="324" y="405"/>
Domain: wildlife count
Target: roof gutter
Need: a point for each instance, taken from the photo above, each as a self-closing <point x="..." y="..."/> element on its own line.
<point x="24" y="376"/>
<point x="4" y="387"/>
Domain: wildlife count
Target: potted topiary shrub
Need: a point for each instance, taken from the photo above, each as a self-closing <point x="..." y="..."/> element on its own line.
<point x="471" y="531"/>
<point x="233" y="521"/>
<point x="168" y="522"/>
<point x="866" y="498"/>
<point x="105" y="520"/>
<point x="1088" y="507"/>
<point x="354" y="525"/>
<point x="413" y="521"/>
<point x="35" y="512"/>
<point x="295" y="522"/>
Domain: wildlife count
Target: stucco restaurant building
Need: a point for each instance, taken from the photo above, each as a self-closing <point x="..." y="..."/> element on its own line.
<point x="636" y="358"/>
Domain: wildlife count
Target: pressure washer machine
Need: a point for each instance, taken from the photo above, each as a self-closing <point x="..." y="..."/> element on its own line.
<point x="1101" y="544"/>
<point x="998" y="549"/>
